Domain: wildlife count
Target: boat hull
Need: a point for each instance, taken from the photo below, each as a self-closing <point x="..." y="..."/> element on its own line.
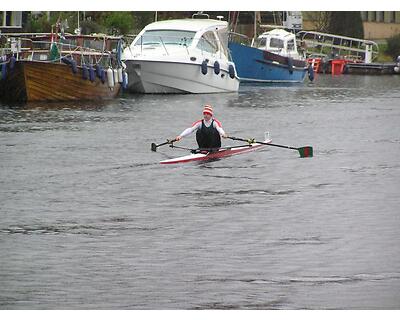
<point x="153" y="76"/>
<point x="226" y="152"/>
<point x="255" y="65"/>
<point x="371" y="68"/>
<point x="46" y="81"/>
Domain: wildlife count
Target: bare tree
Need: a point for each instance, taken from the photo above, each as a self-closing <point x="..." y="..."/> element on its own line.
<point x="319" y="19"/>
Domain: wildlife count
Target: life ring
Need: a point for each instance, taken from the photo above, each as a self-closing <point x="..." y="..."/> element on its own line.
<point x="66" y="60"/>
<point x="92" y="75"/>
<point x="85" y="72"/>
<point x="103" y="76"/>
<point x="124" y="80"/>
<point x="98" y="70"/>
<point x="115" y="74"/>
<point x="4" y="71"/>
<point x="217" y="69"/>
<point x="204" y="67"/>
<point x="231" y="70"/>
<point x="311" y="73"/>
<point x="74" y="68"/>
<point x="12" y="62"/>
<point x="110" y="77"/>
<point x="120" y="75"/>
<point x="290" y="65"/>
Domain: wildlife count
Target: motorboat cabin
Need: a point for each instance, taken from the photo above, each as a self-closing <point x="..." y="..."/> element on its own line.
<point x="181" y="56"/>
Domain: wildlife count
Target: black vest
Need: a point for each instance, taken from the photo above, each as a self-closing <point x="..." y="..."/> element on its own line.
<point x="208" y="137"/>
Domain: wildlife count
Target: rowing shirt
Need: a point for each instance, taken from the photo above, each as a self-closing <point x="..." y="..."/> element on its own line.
<point x="198" y="124"/>
<point x="208" y="133"/>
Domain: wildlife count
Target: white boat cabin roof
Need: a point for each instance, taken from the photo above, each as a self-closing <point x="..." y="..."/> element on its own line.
<point x="278" y="33"/>
<point x="194" y="25"/>
<point x="278" y="41"/>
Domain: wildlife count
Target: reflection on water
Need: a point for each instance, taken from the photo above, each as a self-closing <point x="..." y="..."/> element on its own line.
<point x="89" y="219"/>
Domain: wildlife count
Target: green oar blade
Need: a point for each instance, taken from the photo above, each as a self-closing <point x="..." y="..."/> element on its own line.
<point x="305" y="152"/>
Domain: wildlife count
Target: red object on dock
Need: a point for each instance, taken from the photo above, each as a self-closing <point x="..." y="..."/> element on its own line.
<point x="315" y="62"/>
<point x="338" y="66"/>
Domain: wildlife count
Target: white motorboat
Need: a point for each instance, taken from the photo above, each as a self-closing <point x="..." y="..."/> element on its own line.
<point x="181" y="56"/>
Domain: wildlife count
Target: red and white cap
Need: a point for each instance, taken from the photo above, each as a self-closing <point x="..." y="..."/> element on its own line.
<point x="208" y="109"/>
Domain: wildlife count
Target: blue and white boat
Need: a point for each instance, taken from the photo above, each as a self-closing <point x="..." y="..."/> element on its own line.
<point x="273" y="57"/>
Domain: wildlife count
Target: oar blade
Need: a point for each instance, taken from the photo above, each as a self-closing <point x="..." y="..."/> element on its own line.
<point x="153" y="147"/>
<point x="306" y="152"/>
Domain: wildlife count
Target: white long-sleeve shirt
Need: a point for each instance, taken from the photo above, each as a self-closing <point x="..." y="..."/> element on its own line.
<point x="197" y="125"/>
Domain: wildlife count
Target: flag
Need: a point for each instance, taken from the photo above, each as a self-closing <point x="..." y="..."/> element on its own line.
<point x="54" y="54"/>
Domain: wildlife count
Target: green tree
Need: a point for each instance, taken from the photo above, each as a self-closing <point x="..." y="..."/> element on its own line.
<point x="346" y="23"/>
<point x="37" y="23"/>
<point x="319" y="19"/>
<point x="89" y="27"/>
<point x="393" y="46"/>
<point x="142" y="19"/>
<point x="118" y="22"/>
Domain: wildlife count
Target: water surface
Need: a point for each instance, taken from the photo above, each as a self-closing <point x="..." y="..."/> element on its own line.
<point x="90" y="220"/>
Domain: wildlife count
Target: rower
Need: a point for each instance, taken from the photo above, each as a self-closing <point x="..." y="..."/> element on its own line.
<point x="208" y="130"/>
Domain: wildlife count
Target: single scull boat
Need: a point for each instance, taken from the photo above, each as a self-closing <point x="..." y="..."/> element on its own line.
<point x="221" y="153"/>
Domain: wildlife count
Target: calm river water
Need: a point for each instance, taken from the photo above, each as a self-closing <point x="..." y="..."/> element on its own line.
<point x="90" y="220"/>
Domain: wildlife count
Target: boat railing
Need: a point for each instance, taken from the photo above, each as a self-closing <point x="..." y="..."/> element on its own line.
<point x="332" y="45"/>
<point x="28" y="49"/>
<point x="200" y="15"/>
<point x="4" y="52"/>
<point x="239" y="38"/>
<point x="183" y="43"/>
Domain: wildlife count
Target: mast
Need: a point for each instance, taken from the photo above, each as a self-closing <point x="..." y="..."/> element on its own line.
<point x="256" y="13"/>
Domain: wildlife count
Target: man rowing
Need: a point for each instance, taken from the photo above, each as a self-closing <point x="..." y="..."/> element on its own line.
<point x="208" y="130"/>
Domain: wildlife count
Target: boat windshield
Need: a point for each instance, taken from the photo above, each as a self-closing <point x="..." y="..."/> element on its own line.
<point x="166" y="37"/>
<point x="276" y="43"/>
<point x="290" y="45"/>
<point x="260" y="43"/>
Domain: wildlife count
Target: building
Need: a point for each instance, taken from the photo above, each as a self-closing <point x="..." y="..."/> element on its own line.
<point x="380" y="24"/>
<point x="11" y="21"/>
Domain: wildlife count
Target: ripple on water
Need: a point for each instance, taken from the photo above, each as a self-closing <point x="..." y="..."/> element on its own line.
<point x="107" y="227"/>
<point x="310" y="280"/>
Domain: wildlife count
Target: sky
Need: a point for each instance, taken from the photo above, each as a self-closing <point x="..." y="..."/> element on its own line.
<point x="205" y="5"/>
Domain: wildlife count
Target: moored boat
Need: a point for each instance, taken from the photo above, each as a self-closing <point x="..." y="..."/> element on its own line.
<point x="181" y="56"/>
<point x="72" y="67"/>
<point x="273" y="57"/>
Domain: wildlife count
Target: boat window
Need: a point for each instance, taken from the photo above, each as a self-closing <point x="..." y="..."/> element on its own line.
<point x="276" y="43"/>
<point x="208" y="42"/>
<point x="290" y="45"/>
<point x="261" y="42"/>
<point x="93" y="44"/>
<point x="166" y="37"/>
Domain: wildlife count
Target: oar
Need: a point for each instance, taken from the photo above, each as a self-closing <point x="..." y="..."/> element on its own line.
<point x="155" y="146"/>
<point x="305" y="152"/>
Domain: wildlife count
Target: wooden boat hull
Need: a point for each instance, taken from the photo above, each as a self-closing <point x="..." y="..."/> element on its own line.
<point x="226" y="152"/>
<point x="47" y="81"/>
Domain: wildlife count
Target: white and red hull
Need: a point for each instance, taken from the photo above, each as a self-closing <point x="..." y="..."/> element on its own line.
<point x="225" y="152"/>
